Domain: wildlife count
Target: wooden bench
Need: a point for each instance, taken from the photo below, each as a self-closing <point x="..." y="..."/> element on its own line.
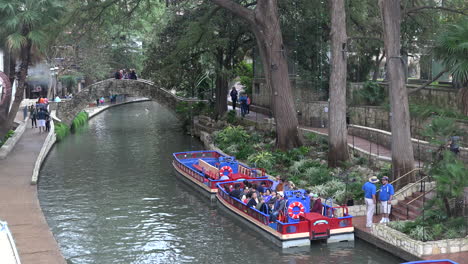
<point x="209" y="169"/>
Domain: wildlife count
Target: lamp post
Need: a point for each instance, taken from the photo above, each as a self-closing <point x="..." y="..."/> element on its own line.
<point x="52" y="91"/>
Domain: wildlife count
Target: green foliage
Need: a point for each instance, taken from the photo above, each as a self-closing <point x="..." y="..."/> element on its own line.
<point x="80" y="120"/>
<point x="8" y="135"/>
<point x="231" y="117"/>
<point x="231" y="135"/>
<point x="371" y="94"/>
<point x="331" y="189"/>
<point x="425" y="229"/>
<point x="245" y="72"/>
<point x="61" y="131"/>
<point x="451" y="48"/>
<point x="424" y="111"/>
<point x="451" y="176"/>
<point x="262" y="159"/>
<point x="440" y="129"/>
<point x="69" y="81"/>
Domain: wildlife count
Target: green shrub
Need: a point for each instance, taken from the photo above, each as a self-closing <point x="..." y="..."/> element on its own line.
<point x="61" y="131"/>
<point x="371" y="94"/>
<point x="245" y="72"/>
<point x="231" y="135"/>
<point x="262" y="159"/>
<point x="8" y="135"/>
<point x="231" y="117"/>
<point x="80" y="120"/>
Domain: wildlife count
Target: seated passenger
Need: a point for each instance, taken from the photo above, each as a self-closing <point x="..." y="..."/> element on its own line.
<point x="318" y="207"/>
<point x="278" y="207"/>
<point x="267" y="195"/>
<point x="262" y="187"/>
<point x="253" y="201"/>
<point x="236" y="193"/>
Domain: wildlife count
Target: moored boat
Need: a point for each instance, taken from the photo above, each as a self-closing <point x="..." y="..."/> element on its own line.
<point x="8" y="252"/>
<point x="294" y="225"/>
<point x="205" y="169"/>
<point x="436" y="261"/>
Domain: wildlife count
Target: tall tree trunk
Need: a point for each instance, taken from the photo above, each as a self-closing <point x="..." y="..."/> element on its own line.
<point x="21" y="75"/>
<point x="5" y="99"/>
<point x="265" y="24"/>
<point x="402" y="148"/>
<point x="221" y="90"/>
<point x="337" y="131"/>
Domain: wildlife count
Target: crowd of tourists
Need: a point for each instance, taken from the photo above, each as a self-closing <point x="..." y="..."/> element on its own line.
<point x="39" y="114"/>
<point x="125" y="74"/>
<point x="243" y="99"/>
<point x="269" y="200"/>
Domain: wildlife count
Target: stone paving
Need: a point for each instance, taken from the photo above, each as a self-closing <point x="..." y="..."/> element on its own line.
<point x="19" y="205"/>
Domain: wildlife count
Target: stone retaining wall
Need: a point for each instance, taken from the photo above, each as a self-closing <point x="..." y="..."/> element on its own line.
<point x="11" y="142"/>
<point x="48" y="143"/>
<point x="419" y="248"/>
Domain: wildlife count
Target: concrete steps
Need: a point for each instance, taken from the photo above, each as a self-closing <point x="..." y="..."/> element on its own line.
<point x="410" y="211"/>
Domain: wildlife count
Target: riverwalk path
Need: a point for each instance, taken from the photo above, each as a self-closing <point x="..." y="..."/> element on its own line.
<point x="19" y="203"/>
<point x="355" y="142"/>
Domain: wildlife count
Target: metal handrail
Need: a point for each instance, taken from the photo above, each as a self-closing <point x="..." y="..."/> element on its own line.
<point x="422" y="195"/>
<point x="406" y="174"/>
<point x="412" y="184"/>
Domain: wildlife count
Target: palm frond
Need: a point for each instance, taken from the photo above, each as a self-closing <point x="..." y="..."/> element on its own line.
<point x="15" y="41"/>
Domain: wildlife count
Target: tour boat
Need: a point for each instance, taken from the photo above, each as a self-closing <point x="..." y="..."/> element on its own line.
<point x="296" y="226"/>
<point x="436" y="261"/>
<point x="8" y="252"/>
<point x="205" y="168"/>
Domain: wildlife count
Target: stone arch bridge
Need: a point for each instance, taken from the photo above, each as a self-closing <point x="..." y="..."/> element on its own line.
<point x="67" y="110"/>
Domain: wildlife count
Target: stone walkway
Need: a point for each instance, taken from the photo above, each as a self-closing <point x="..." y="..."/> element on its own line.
<point x="19" y="205"/>
<point x="356" y="142"/>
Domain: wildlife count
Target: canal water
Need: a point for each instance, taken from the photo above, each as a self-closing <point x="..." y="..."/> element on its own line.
<point x="110" y="196"/>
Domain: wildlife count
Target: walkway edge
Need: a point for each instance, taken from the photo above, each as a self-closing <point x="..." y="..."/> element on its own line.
<point x="46" y="147"/>
<point x="11" y="142"/>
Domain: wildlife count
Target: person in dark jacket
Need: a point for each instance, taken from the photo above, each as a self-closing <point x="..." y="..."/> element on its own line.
<point x="234" y="94"/>
<point x="236" y="193"/>
<point x="133" y="75"/>
<point x="33" y="116"/>
<point x="253" y="201"/>
<point x="117" y="75"/>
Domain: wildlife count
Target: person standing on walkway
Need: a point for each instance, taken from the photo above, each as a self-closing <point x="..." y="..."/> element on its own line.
<point x="248" y="104"/>
<point x="386" y="195"/>
<point x="25" y="112"/>
<point x="41" y="117"/>
<point x="234" y="97"/>
<point x="369" y="196"/>
<point x="33" y="116"/>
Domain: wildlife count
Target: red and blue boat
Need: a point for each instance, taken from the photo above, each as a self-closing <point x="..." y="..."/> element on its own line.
<point x="437" y="261"/>
<point x="295" y="226"/>
<point x="205" y="169"/>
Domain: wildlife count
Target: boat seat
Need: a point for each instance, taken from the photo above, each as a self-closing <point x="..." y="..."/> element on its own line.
<point x="198" y="167"/>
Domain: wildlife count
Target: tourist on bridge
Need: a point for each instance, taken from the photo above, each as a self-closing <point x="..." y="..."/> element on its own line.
<point x="385" y="196"/>
<point x="453" y="144"/>
<point x="118" y="75"/>
<point x="369" y="196"/>
<point x="133" y="75"/>
<point x="234" y="97"/>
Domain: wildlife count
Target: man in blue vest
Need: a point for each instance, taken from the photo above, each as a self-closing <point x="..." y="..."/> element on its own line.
<point x="369" y="197"/>
<point x="386" y="195"/>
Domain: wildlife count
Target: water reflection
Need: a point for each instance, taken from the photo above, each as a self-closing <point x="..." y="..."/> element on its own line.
<point x="110" y="196"/>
